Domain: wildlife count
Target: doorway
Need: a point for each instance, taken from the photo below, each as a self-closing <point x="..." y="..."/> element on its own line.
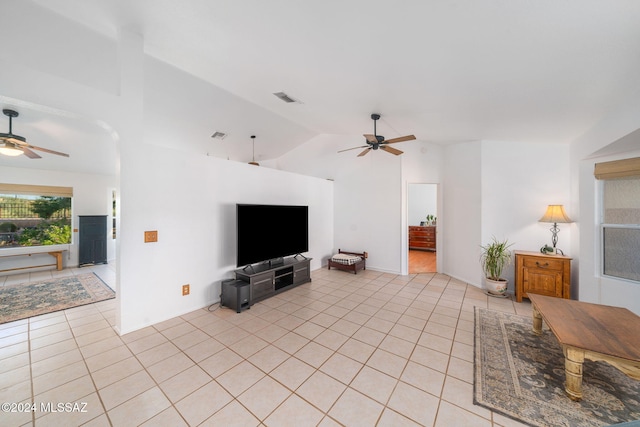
<point x="422" y="224"/>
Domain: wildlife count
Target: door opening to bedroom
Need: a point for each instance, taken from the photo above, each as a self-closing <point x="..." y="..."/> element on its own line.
<point x="422" y="221"/>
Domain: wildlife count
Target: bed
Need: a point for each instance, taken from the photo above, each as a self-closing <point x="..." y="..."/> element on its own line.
<point x="348" y="261"/>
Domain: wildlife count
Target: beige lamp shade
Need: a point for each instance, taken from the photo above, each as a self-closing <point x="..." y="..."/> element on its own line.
<point x="555" y="214"/>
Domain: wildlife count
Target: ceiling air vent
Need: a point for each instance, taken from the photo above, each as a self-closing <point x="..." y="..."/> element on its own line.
<point x="286" y="98"/>
<point x="219" y="135"/>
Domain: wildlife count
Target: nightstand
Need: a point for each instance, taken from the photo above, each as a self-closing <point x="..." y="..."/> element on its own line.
<point x="542" y="274"/>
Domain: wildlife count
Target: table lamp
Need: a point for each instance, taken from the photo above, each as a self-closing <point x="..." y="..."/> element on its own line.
<point x="555" y="214"/>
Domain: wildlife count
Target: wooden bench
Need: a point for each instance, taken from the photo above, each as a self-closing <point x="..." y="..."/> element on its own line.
<point x="57" y="254"/>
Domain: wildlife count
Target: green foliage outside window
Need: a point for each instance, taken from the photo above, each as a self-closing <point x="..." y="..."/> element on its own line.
<point x="46" y="233"/>
<point x="47" y="206"/>
<point x="34" y="221"/>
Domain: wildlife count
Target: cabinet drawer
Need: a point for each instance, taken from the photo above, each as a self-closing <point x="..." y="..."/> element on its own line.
<point x="546" y="263"/>
<point x="419" y="234"/>
<point x="421" y="244"/>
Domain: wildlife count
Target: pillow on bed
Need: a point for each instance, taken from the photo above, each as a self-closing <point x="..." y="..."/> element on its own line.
<point x="346" y="259"/>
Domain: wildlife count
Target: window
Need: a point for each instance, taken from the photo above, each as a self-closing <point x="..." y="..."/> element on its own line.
<point x="33" y="215"/>
<point x="620" y="220"/>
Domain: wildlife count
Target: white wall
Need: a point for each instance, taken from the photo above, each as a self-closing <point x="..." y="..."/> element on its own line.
<point x="370" y="192"/>
<point x="91" y="196"/>
<point x="489" y="188"/>
<point x="615" y="136"/>
<point x="52" y="44"/>
<point x="193" y="209"/>
<point x="461" y="220"/>
<point x="518" y="182"/>
<point x="368" y="196"/>
<point x="422" y="162"/>
<point x="170" y="185"/>
<point x="422" y="201"/>
<point x="195" y="246"/>
<point x="368" y="210"/>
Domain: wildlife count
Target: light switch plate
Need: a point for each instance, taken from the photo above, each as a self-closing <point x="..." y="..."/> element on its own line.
<point x="150" y="236"/>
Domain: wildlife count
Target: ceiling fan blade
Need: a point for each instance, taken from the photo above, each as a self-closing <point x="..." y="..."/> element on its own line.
<point x="364" y="152"/>
<point x="30" y="154"/>
<point x="354" y="148"/>
<point x="400" y="139"/>
<point x="370" y="138"/>
<point x="391" y="150"/>
<point x="46" y="150"/>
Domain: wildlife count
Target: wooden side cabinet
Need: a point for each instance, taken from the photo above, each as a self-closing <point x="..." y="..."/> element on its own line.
<point x="422" y="237"/>
<point x="542" y="274"/>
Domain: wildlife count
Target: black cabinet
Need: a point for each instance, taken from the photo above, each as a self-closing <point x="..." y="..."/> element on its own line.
<point x="92" y="240"/>
<point x="266" y="280"/>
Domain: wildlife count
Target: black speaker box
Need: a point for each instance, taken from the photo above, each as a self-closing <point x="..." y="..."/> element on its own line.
<point x="235" y="294"/>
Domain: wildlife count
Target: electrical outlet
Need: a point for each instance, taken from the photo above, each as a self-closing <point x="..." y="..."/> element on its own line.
<point x="185" y="290"/>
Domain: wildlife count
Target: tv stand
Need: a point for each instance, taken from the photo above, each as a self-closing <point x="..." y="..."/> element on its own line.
<point x="247" y="266"/>
<point x="267" y="280"/>
<point x="275" y="262"/>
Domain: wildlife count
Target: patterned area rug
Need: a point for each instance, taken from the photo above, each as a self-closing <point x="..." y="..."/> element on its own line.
<point x="35" y="298"/>
<point x="521" y="375"/>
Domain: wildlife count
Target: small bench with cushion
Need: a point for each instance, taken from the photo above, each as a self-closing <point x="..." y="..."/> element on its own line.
<point x="348" y="261"/>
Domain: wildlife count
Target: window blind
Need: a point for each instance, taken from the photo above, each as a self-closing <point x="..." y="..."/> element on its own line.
<point x="618" y="169"/>
<point x="36" y="190"/>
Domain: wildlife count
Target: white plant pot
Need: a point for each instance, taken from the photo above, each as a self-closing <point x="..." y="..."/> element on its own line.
<point x="496" y="287"/>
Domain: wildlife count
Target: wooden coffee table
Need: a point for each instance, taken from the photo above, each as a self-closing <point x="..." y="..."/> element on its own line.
<point x="589" y="331"/>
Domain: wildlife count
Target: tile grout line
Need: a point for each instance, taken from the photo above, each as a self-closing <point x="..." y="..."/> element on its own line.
<point x="33" y="397"/>
<point x="84" y="360"/>
<point x="406" y="290"/>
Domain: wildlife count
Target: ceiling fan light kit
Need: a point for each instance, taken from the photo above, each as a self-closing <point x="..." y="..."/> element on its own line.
<point x="375" y="141"/>
<point x="10" y="150"/>
<point x="14" y="145"/>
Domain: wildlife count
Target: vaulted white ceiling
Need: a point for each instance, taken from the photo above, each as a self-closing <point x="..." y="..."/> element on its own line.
<point x="511" y="70"/>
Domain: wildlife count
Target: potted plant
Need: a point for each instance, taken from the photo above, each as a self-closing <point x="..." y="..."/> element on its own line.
<point x="495" y="256"/>
<point x="431" y="220"/>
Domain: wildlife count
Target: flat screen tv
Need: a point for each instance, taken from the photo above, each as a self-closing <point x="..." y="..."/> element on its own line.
<point x="269" y="232"/>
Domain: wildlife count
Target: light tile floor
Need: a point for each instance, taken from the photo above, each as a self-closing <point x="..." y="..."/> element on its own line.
<point x="371" y="349"/>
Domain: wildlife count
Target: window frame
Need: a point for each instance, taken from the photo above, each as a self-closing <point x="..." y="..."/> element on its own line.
<point x="602" y="225"/>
